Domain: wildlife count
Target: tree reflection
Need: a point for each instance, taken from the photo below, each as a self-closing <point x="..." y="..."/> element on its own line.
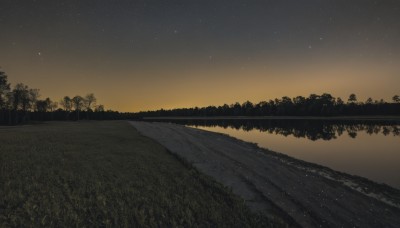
<point x="310" y="129"/>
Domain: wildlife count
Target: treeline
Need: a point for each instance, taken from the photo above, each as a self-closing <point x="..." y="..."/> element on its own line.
<point x="313" y="105"/>
<point x="21" y="104"/>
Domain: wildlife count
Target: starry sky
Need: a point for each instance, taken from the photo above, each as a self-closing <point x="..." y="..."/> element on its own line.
<point x="149" y="54"/>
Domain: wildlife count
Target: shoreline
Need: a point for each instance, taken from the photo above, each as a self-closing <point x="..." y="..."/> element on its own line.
<point x="309" y="193"/>
<point x="392" y="118"/>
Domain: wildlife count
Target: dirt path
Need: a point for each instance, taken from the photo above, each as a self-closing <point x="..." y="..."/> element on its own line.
<point x="311" y="195"/>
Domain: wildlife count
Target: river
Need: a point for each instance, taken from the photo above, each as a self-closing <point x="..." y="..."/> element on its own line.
<point x="364" y="148"/>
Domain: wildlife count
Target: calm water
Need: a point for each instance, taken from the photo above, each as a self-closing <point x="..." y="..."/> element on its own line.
<point x="365" y="148"/>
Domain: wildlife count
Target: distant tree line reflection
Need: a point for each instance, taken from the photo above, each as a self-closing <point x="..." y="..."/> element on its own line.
<point x="310" y="129"/>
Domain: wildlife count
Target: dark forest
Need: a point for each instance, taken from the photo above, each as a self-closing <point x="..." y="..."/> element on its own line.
<point x="313" y="105"/>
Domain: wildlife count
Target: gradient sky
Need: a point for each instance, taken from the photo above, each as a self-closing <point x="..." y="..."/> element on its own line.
<point x="140" y="55"/>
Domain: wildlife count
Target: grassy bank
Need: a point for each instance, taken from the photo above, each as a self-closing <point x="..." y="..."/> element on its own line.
<point x="106" y="174"/>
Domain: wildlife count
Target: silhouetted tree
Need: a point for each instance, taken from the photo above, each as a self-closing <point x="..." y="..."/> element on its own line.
<point x="78" y="103"/>
<point x="339" y="101"/>
<point x="52" y="106"/>
<point x="314" y="105"/>
<point x="4" y="89"/>
<point x="247" y="108"/>
<point x="237" y="109"/>
<point x="9" y="106"/>
<point x="396" y="99"/>
<point x="299" y="105"/>
<point x="89" y="103"/>
<point x="352" y="98"/>
<point x="21" y="104"/>
<point x="21" y="100"/>
<point x="33" y="97"/>
<point x="328" y="102"/>
<point x="41" y="105"/>
<point x="99" y="108"/>
<point x="66" y="103"/>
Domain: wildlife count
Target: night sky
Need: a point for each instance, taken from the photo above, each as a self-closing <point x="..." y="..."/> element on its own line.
<point x="140" y="55"/>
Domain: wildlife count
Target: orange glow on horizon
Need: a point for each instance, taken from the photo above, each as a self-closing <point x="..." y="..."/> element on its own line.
<point x="182" y="87"/>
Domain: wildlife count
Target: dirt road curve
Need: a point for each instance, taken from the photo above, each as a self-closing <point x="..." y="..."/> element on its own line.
<point x="313" y="196"/>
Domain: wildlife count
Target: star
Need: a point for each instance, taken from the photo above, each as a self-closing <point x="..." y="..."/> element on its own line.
<point x="39" y="53"/>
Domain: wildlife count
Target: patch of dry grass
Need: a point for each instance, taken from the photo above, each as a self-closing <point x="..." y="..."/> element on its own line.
<point x="106" y="174"/>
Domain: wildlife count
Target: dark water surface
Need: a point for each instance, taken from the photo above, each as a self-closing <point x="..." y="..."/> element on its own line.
<point x="365" y="148"/>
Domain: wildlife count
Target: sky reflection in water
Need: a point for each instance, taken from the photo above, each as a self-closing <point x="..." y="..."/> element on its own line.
<point x="364" y="148"/>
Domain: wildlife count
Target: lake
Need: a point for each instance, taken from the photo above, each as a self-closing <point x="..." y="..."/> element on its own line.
<point x="367" y="148"/>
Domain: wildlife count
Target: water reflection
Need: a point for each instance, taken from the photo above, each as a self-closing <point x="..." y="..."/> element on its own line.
<point x="310" y="129"/>
<point x="361" y="147"/>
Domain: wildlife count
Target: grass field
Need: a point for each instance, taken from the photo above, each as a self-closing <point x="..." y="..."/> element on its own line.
<point x="92" y="174"/>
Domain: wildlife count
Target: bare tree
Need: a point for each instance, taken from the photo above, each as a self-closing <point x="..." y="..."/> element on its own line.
<point x="33" y="96"/>
<point x="90" y="102"/>
<point x="78" y="103"/>
<point x="53" y="105"/>
<point x="66" y="103"/>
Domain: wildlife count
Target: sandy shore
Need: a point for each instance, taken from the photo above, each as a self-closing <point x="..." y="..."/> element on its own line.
<point x="311" y="195"/>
